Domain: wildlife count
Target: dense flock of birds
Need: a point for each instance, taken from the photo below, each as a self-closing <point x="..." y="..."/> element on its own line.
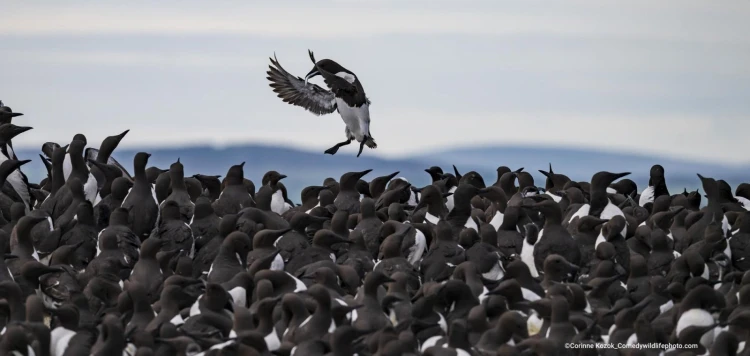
<point x="98" y="262"/>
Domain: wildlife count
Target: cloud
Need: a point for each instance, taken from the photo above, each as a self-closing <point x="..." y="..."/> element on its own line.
<point x="677" y="136"/>
<point x="131" y="58"/>
<point x="669" y="20"/>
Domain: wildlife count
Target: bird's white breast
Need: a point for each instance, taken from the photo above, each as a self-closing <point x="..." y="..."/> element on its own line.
<point x="431" y="218"/>
<point x="745" y="202"/>
<point x="666" y="307"/>
<point x="430" y="342"/>
<point x="527" y="256"/>
<point x="195" y="309"/>
<point x="91" y="189"/>
<point x="272" y="341"/>
<point x="529" y="295"/>
<point x="496" y="273"/>
<point x="67" y="167"/>
<point x="357" y="119"/>
<point x="239" y="296"/>
<point x="694" y="317"/>
<point x="609" y="212"/>
<point x="471" y="224"/>
<point x="582" y="211"/>
<point x="534" y="324"/>
<point x="277" y="202"/>
<point x="60" y="338"/>
<point x="647" y="196"/>
<point x="449" y="200"/>
<point x="599" y="239"/>
<point x="416" y="251"/>
<point x="278" y="263"/>
<point x="497" y="220"/>
<point x="177" y="320"/>
<point x="300" y="285"/>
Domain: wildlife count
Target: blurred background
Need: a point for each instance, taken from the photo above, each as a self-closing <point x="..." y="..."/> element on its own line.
<point x="584" y="85"/>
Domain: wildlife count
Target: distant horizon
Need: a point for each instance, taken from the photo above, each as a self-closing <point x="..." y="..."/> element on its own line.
<point x="577" y="163"/>
<point x="305" y="167"/>
<point x="351" y="151"/>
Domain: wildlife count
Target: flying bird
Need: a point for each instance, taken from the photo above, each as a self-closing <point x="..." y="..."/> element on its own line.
<point x="346" y="95"/>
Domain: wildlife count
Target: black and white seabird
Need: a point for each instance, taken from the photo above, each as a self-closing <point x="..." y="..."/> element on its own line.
<point x="346" y="95"/>
<point x="16" y="179"/>
<point x="141" y="200"/>
<point x="7" y="114"/>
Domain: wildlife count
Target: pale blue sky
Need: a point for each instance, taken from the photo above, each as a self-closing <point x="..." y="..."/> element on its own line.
<point x="655" y="77"/>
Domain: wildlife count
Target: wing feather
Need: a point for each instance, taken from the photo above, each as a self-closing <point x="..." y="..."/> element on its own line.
<point x="293" y="90"/>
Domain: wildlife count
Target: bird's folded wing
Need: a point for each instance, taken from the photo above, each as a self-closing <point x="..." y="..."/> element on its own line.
<point x="293" y="90"/>
<point x="337" y="83"/>
<point x="349" y="92"/>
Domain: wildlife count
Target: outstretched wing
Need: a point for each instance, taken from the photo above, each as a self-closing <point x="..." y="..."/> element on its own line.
<point x="293" y="90"/>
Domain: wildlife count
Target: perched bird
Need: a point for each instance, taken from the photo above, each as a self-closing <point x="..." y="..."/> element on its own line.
<point x="19" y="183"/>
<point x="234" y="195"/>
<point x="171" y="229"/>
<point x="179" y="193"/>
<point x="141" y="200"/>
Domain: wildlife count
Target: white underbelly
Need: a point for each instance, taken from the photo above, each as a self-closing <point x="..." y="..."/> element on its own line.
<point x="91" y="189"/>
<point x="277" y="202"/>
<point x="471" y="224"/>
<point x="357" y="119"/>
<point x="449" y="199"/>
<point x="67" y="167"/>
<point x="527" y="256"/>
<point x="497" y="220"/>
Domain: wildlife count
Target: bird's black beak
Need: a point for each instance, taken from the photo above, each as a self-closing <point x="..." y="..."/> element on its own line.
<point x="16" y="114"/>
<point x="620" y="175"/>
<point x="363" y="173"/>
<point x="313" y="73"/>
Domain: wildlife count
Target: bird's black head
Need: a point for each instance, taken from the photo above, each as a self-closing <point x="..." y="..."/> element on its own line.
<point x="9" y="131"/>
<point x="272" y="177"/>
<point x="325" y="65"/>
<point x="9" y="111"/>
